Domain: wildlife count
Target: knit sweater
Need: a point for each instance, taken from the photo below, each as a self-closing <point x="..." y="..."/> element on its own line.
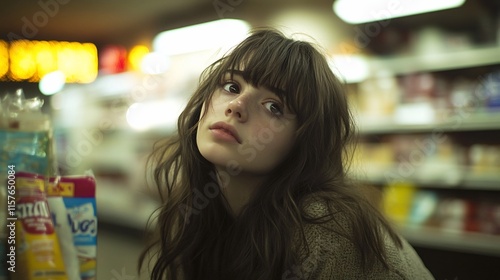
<point x="333" y="256"/>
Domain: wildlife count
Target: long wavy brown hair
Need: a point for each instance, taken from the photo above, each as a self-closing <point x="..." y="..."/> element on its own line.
<point x="197" y="237"/>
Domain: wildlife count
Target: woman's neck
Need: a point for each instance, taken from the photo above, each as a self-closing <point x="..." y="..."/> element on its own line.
<point x="238" y="190"/>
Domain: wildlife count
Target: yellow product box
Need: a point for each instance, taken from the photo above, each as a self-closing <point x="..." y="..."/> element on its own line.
<point x="36" y="243"/>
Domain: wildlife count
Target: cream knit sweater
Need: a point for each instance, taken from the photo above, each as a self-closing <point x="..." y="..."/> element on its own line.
<point x="333" y="256"/>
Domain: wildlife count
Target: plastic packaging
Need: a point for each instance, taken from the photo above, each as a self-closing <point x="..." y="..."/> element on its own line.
<point x="65" y="235"/>
<point x="78" y="194"/>
<point x="25" y="146"/>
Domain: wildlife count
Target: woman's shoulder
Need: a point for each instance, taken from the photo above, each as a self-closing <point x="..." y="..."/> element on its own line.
<point x="315" y="207"/>
<point x="325" y="229"/>
<point x="319" y="211"/>
<point x="330" y="252"/>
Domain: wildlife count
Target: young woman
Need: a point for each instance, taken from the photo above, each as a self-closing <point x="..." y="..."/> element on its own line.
<point x="254" y="184"/>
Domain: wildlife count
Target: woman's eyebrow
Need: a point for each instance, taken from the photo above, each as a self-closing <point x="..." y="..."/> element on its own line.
<point x="276" y="91"/>
<point x="233" y="73"/>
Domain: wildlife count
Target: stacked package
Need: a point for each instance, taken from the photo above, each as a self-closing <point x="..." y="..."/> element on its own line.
<point x="49" y="222"/>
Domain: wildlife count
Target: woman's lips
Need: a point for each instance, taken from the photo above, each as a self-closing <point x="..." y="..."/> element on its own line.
<point x="225" y="131"/>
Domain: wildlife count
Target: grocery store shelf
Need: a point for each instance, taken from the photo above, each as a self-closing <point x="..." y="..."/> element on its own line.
<point x="454" y="59"/>
<point x="489" y="181"/>
<point x="459" y="122"/>
<point x="469" y="242"/>
<point x="452" y="177"/>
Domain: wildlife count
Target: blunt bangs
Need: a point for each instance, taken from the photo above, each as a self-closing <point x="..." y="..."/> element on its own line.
<point x="281" y="65"/>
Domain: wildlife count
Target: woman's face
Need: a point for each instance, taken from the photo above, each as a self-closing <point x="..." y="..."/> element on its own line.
<point x="245" y="128"/>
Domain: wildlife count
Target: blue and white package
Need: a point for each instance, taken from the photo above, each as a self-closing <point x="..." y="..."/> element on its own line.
<point x="78" y="195"/>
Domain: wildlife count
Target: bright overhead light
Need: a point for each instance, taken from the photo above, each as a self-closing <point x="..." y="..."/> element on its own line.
<point x="205" y="36"/>
<point x="361" y="11"/>
<point x="52" y="83"/>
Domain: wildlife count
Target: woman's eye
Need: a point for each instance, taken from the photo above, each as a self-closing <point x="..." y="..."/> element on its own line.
<point x="231" y="87"/>
<point x="274" y="108"/>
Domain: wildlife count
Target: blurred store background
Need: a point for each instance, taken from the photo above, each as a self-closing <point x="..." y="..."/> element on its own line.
<point x="425" y="87"/>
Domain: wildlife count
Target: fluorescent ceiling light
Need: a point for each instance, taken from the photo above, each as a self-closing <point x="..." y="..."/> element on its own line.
<point x="222" y="33"/>
<point x="361" y="11"/>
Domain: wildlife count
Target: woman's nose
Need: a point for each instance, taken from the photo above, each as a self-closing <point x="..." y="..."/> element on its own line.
<point x="237" y="109"/>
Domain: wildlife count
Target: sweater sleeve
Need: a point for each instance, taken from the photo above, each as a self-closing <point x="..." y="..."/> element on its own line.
<point x="333" y="256"/>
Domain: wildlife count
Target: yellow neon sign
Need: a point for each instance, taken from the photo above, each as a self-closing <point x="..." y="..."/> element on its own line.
<point x="25" y="60"/>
